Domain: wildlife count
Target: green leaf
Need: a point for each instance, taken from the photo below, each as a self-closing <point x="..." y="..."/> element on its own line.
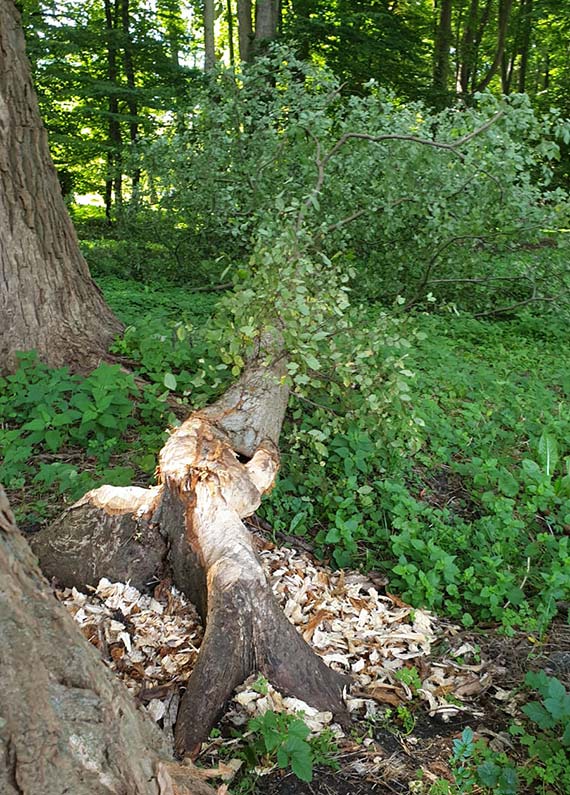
<point x="508" y="484"/>
<point x="34" y="425"/>
<point x="488" y="773"/>
<point x="53" y="440"/>
<point x="312" y="362"/>
<point x="169" y="381"/>
<point x="548" y="452"/>
<point x="537" y="714"/>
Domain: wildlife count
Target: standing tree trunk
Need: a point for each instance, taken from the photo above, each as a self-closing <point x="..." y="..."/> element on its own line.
<point x="266" y="20"/>
<point x="209" y="35"/>
<point x="129" y="65"/>
<point x="47" y="300"/>
<point x="214" y="470"/>
<point x="526" y="27"/>
<point x="504" y="14"/>
<point x="114" y="180"/>
<point x="441" y="53"/>
<point x="245" y="29"/>
<point x="67" y="725"/>
<point x="230" y="21"/>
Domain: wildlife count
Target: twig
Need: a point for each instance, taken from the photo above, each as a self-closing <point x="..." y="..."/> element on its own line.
<point x="505" y="309"/>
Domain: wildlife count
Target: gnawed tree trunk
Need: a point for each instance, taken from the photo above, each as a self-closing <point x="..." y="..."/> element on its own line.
<point x="67" y="725"/>
<point x="47" y="298"/>
<point x="214" y="470"/>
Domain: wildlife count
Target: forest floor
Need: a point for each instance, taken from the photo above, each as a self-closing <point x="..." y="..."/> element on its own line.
<point x="419" y="681"/>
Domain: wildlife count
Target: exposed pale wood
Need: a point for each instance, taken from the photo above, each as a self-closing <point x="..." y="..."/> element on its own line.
<point x="214" y="470"/>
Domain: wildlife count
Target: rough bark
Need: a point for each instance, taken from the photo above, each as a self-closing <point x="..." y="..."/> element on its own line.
<point x="47" y="298"/>
<point x="214" y="470"/>
<point x="67" y="725"/>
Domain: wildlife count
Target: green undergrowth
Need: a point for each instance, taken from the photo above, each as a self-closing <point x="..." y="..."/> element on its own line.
<point x="61" y="434"/>
<point x="476" y="522"/>
<point x="467" y="511"/>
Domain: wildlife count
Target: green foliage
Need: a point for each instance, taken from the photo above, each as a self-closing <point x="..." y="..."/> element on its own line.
<point x="547" y="736"/>
<point x="474" y="524"/>
<point x="285" y="739"/>
<point x="476" y="768"/>
<point x="64" y="434"/>
<point x="45" y="412"/>
<point x="545" y="740"/>
<point x="278" y="151"/>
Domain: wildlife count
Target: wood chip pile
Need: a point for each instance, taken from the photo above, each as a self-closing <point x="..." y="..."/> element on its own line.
<point x="152" y="642"/>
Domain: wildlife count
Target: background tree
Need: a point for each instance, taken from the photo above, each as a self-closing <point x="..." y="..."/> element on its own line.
<point x="48" y="301"/>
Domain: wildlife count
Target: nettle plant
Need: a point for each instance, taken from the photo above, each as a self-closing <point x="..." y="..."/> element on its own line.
<point x="388" y="185"/>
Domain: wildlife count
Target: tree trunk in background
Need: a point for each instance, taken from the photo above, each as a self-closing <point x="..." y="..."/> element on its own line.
<point x="47" y="299"/>
<point x="230" y="21"/>
<point x="504" y="14"/>
<point x="131" y="83"/>
<point x="67" y="725"/>
<point x="114" y="181"/>
<point x="441" y="54"/>
<point x="214" y="470"/>
<point x="209" y="36"/>
<point x="267" y="13"/>
<point x="245" y="29"/>
<point x="526" y="28"/>
<point x="467" y="53"/>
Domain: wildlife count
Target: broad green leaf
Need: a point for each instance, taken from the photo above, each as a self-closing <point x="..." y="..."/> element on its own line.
<point x="169" y="381"/>
<point x="508" y="484"/>
<point x="537" y="714"/>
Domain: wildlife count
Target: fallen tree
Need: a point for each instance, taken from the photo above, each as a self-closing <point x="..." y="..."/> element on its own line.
<point x="215" y="468"/>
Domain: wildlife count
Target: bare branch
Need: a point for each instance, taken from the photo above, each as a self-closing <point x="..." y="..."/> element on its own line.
<point x="321" y="162"/>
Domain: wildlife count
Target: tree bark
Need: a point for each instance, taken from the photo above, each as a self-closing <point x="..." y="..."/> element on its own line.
<point x="114" y="180"/>
<point x="67" y="725"/>
<point x="214" y="470"/>
<point x="209" y="36"/>
<point x="245" y="29"/>
<point x="441" y="53"/>
<point x="129" y="65"/>
<point x="504" y="14"/>
<point x="47" y="298"/>
<point x="266" y="20"/>
<point x="526" y="26"/>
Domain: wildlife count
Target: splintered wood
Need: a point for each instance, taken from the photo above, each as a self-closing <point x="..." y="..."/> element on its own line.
<point x="153" y="642"/>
